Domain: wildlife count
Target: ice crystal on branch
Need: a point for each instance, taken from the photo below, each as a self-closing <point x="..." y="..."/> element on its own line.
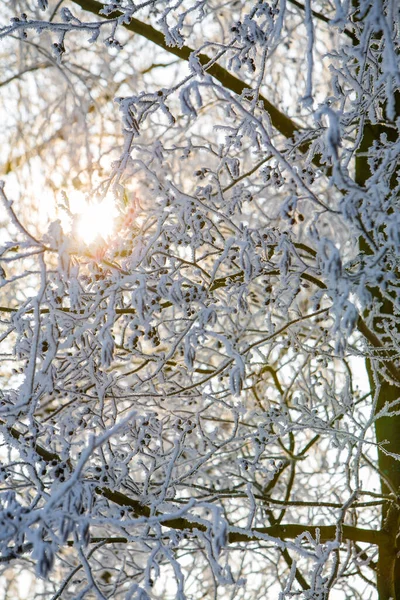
<point x="203" y="403"/>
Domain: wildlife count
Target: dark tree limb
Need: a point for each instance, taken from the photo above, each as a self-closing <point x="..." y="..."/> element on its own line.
<point x="279" y="120"/>
<point x="236" y="534"/>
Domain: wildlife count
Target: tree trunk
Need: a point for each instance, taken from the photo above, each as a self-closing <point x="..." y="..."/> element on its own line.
<point x="387" y="429"/>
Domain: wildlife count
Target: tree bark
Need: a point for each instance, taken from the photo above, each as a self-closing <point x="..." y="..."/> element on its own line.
<point x="387" y="428"/>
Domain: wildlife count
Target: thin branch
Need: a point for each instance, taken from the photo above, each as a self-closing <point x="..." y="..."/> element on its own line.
<point x="323" y="18"/>
<point x="24" y="71"/>
<point x="280" y="121"/>
<point x="235" y="534"/>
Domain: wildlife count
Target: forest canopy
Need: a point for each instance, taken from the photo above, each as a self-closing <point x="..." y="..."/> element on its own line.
<point x="199" y="299"/>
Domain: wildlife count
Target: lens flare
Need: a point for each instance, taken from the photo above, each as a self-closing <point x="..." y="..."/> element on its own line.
<point x="94" y="221"/>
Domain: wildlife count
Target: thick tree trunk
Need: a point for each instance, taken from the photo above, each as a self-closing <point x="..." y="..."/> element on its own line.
<point x="387" y="428"/>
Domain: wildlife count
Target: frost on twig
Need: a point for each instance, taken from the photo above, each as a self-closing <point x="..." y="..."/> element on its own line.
<point x="185" y="411"/>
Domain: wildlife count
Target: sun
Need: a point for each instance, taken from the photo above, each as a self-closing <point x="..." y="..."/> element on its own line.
<point x="97" y="220"/>
<point x="93" y="220"/>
